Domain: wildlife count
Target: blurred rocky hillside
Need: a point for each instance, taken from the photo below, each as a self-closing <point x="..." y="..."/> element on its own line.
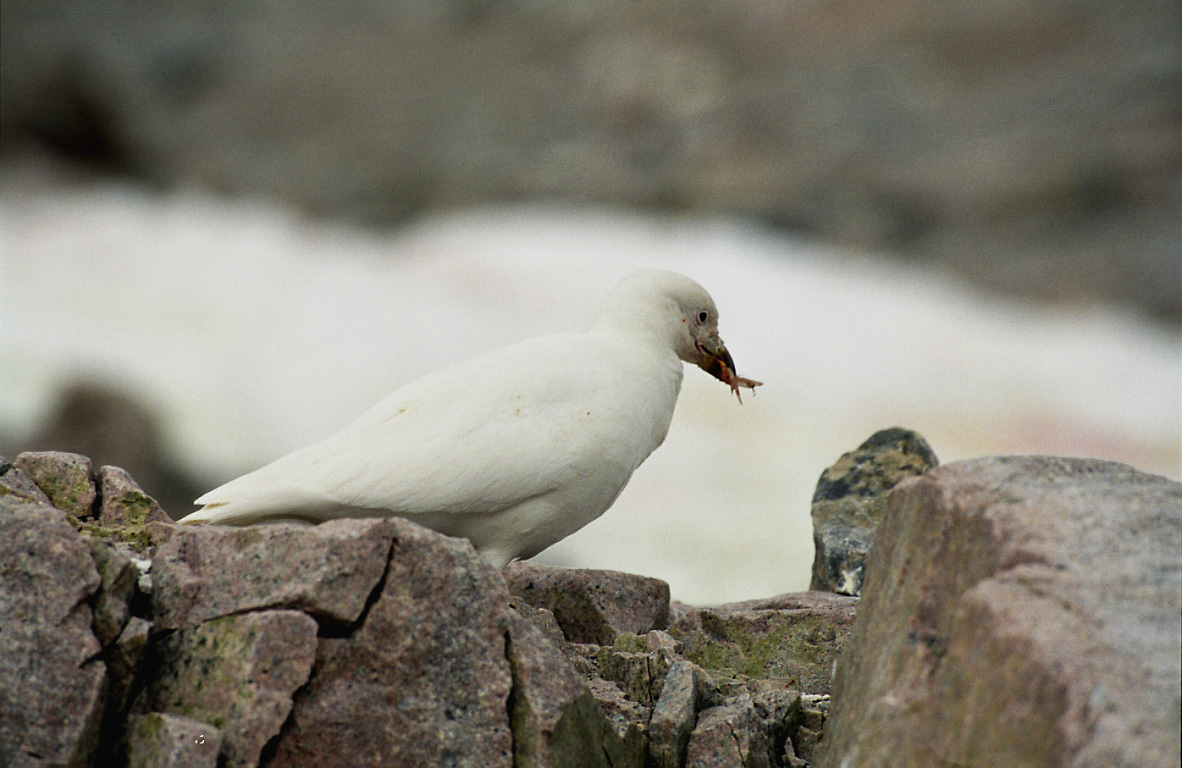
<point x="1035" y="147"/>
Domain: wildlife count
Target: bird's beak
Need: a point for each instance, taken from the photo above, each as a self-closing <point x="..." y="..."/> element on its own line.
<point x="717" y="362"/>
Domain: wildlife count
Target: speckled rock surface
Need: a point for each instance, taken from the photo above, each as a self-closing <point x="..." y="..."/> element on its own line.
<point x="685" y="690"/>
<point x="425" y="670"/>
<point x="795" y="638"/>
<point x="67" y="479"/>
<point x="170" y="741"/>
<point x="592" y="606"/>
<point x="119" y="576"/>
<point x="850" y="500"/>
<point x="556" y="721"/>
<point x="328" y="570"/>
<point x="15" y="483"/>
<point x="1019" y="611"/>
<point x="123" y="502"/>
<point x="237" y="673"/>
<point x="52" y="679"/>
<point x="748" y="731"/>
<point x="377" y="639"/>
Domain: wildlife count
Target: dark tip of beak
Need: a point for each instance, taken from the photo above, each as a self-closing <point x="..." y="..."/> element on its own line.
<point x="718" y="364"/>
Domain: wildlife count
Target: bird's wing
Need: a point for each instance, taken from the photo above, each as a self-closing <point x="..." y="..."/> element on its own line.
<point x="481" y="436"/>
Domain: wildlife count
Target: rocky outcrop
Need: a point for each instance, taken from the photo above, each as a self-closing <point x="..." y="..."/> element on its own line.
<point x="850" y="500"/>
<point x="53" y="680"/>
<point x="1035" y="148"/>
<point x="370" y="642"/>
<point x="1019" y="611"/>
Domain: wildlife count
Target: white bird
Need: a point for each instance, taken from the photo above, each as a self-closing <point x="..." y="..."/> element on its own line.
<point x="515" y="449"/>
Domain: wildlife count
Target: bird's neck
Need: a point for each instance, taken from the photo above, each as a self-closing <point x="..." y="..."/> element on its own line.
<point x="641" y="325"/>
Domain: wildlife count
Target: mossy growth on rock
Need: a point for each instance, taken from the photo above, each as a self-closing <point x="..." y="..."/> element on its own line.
<point x="141" y="538"/>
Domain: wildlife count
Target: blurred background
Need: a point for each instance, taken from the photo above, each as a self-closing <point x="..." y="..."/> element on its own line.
<point x="226" y="228"/>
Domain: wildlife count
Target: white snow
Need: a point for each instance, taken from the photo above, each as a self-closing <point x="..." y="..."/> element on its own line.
<point x="255" y="331"/>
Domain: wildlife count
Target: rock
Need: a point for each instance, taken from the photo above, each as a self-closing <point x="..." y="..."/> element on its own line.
<point x="328" y="570"/>
<point x="626" y="717"/>
<point x="744" y="731"/>
<point x="810" y="731"/>
<point x="423" y="678"/>
<point x="849" y="503"/>
<point x="119" y="576"/>
<point x="541" y="618"/>
<point x="686" y="689"/>
<point x="124" y="502"/>
<point x="66" y="478"/>
<point x="237" y="673"/>
<point x="52" y="682"/>
<point x="1018" y="611"/>
<point x="156" y="740"/>
<point x="794" y="638"/>
<point x="637" y="666"/>
<point x="124" y="660"/>
<point x="15" y="483"/>
<point x="592" y="606"/>
<point x="555" y="719"/>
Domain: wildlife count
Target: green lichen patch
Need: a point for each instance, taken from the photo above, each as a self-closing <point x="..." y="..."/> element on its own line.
<point x="66" y="478"/>
<point x="141" y="538"/>
<point x="796" y="646"/>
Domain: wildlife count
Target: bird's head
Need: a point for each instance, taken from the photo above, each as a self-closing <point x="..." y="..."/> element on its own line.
<point x="674" y="307"/>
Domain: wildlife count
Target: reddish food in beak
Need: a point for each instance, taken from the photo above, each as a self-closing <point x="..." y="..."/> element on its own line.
<point x="717" y="362"/>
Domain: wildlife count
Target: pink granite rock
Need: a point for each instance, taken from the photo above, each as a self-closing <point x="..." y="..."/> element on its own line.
<point x="155" y="740"/>
<point x="328" y="570"/>
<point x="52" y="682"/>
<point x="1019" y="611"/>
<point x="66" y="478"/>
<point x="14" y="482"/>
<point x="237" y="673"/>
<point x="592" y="606"/>
<point x="423" y="678"/>
<point x="123" y="502"/>
<point x="746" y="730"/>
<point x="556" y="720"/>
<point x="685" y="691"/>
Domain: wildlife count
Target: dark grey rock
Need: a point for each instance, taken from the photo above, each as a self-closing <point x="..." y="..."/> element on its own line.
<point x="849" y="502"/>
<point x="52" y="682"/>
<point x="626" y="717"/>
<point x="1018" y="611"/>
<point x="638" y="670"/>
<point x="237" y="673"/>
<point x="592" y="606"/>
<point x="809" y="732"/>
<point x="66" y="478"/>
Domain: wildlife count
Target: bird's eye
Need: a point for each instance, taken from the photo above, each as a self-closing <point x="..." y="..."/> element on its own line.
<point x="702" y="316"/>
